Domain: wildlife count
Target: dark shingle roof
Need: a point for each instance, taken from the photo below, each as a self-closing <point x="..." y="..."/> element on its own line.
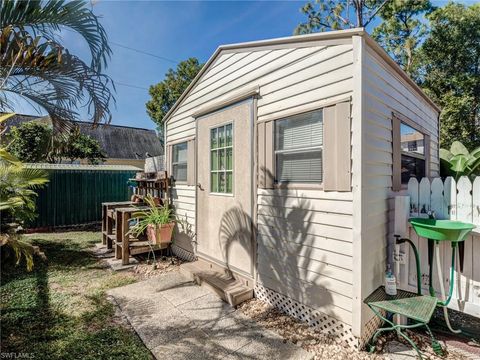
<point x="123" y="142"/>
<point x="118" y="142"/>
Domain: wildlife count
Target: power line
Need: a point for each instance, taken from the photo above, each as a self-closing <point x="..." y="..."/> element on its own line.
<point x="143" y="52"/>
<point x="129" y="85"/>
<point x="132" y="49"/>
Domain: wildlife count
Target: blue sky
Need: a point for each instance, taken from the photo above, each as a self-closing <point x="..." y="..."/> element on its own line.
<point x="175" y="30"/>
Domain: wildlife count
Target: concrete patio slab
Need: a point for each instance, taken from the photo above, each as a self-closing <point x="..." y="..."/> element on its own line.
<point x="206" y="308"/>
<point x="177" y="319"/>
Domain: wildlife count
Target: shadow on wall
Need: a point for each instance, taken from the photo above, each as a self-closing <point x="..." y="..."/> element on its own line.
<point x="289" y="260"/>
<point x="184" y="234"/>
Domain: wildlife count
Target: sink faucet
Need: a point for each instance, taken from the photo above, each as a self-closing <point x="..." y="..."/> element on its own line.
<point x="431" y="214"/>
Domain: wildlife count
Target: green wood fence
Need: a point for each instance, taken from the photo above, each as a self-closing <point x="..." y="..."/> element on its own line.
<point x="74" y="196"/>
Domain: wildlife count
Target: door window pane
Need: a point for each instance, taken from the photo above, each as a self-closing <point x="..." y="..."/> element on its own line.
<point x="214" y="160"/>
<point x="221" y="159"/>
<point x="229" y="160"/>
<point x="221" y="136"/>
<point x="214" y="181"/>
<point x="213" y="139"/>
<point x="221" y="155"/>
<point x="221" y="182"/>
<point x="228" y="134"/>
<point x="298" y="148"/>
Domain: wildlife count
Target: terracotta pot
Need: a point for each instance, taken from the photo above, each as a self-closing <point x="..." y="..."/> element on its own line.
<point x="160" y="235"/>
<point x="136" y="199"/>
<point x="157" y="201"/>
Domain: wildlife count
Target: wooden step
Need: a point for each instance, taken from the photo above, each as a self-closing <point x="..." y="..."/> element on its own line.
<point x="220" y="281"/>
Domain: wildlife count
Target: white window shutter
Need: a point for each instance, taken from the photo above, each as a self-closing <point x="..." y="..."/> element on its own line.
<point x="265" y="155"/>
<point x="191" y="163"/>
<point x="396" y="154"/>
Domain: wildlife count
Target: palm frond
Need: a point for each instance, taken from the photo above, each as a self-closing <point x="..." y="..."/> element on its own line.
<point x="61" y="86"/>
<point x="47" y="18"/>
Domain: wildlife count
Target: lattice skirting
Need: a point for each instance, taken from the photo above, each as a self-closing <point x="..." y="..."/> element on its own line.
<point x="315" y="318"/>
<point x="370" y="327"/>
<point x="183" y="254"/>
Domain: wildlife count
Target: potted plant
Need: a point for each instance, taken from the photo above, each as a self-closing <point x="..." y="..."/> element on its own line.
<point x="157" y="222"/>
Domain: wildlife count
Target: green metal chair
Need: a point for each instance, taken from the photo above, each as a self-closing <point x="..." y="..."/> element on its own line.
<point x="417" y="308"/>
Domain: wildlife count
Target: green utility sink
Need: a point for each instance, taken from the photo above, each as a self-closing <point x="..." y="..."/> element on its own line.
<point x="441" y="230"/>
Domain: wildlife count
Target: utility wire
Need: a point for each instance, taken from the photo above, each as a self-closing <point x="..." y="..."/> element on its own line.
<point x="143" y="52"/>
<point x="129" y="85"/>
<point x="130" y="48"/>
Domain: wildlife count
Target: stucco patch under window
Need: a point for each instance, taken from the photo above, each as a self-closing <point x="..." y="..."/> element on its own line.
<point x="298" y="148"/>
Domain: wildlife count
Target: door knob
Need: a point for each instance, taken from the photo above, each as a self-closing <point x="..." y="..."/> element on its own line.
<point x="200" y="186"/>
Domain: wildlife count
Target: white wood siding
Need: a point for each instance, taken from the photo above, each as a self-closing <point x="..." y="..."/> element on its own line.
<point x="305" y="247"/>
<point x="311" y="260"/>
<point x="384" y="92"/>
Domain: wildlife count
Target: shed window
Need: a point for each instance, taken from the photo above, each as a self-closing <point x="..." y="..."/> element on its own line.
<point x="298" y="148"/>
<point x="413" y="163"/>
<point x="179" y="161"/>
<point x="221" y="159"/>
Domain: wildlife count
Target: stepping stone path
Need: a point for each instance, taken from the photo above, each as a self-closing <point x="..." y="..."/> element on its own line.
<point x="177" y="319"/>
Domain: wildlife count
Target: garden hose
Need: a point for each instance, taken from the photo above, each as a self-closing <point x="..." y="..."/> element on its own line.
<point x="417" y="262"/>
<point x="442" y="287"/>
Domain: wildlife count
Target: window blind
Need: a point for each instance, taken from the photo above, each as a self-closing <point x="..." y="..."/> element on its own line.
<point x="298" y="148"/>
<point x="301" y="131"/>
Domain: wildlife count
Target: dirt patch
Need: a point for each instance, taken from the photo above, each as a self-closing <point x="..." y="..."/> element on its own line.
<point x="164" y="264"/>
<point x="329" y="347"/>
<point x="322" y="345"/>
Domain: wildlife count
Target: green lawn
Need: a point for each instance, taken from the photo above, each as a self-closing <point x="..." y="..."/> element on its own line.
<point x="60" y="310"/>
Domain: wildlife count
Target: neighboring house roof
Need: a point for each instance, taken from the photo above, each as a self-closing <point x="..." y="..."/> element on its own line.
<point x="299" y="40"/>
<point x="47" y="166"/>
<point x="118" y="142"/>
<point x="19" y="119"/>
<point x="123" y="142"/>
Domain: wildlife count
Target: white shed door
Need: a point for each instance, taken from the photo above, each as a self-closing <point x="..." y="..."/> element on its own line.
<point x="224" y="189"/>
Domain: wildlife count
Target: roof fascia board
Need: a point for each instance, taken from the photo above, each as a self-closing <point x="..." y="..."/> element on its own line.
<point x="329" y="42"/>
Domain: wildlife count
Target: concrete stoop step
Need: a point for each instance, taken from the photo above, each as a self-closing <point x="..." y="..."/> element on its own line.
<point x="220" y="281"/>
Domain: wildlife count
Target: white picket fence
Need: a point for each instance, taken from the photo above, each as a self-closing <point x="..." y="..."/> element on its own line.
<point x="449" y="200"/>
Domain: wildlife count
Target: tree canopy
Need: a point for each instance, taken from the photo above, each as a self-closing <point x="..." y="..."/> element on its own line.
<point x="33" y="142"/>
<point x="438" y="47"/>
<point x="402" y="30"/>
<point x="166" y="93"/>
<point x="30" y="142"/>
<point x="450" y="71"/>
<point x="327" y="15"/>
<point x="82" y="146"/>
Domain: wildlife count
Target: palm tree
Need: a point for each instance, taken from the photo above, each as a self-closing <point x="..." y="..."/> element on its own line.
<point x="37" y="67"/>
